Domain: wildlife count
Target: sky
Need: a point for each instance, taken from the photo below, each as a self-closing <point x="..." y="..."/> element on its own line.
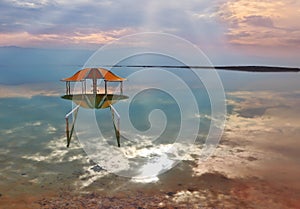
<point x="228" y="31"/>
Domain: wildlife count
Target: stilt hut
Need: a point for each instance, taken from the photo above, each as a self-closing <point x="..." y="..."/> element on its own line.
<point x="93" y="74"/>
<point x="93" y="100"/>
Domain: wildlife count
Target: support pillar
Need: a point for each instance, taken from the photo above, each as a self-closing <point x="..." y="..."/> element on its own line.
<point x="94" y="86"/>
<point x="105" y="86"/>
<point x="68" y="88"/>
<point x="121" y="87"/>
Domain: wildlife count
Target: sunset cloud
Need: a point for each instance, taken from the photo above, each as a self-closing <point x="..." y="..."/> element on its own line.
<point x="64" y="21"/>
<point x="54" y="23"/>
<point x="93" y="39"/>
<point x="221" y="28"/>
<point x="262" y="23"/>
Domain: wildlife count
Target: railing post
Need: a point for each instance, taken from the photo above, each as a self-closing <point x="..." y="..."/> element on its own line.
<point x="105" y="82"/>
<point x="94" y="86"/>
<point x="121" y="87"/>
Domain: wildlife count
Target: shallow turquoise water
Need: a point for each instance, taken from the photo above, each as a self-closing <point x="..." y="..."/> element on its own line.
<point x="32" y="132"/>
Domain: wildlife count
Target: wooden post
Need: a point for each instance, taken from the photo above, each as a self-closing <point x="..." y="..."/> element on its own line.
<point x="121" y="87"/>
<point x="94" y="86"/>
<point x="68" y="88"/>
<point x="105" y="86"/>
<point x="116" y="126"/>
<point x="67" y="132"/>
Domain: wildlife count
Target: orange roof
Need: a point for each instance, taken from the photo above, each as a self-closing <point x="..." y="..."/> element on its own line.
<point x="94" y="73"/>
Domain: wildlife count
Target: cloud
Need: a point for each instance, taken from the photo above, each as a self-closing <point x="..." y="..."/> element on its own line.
<point x="31" y="4"/>
<point x="93" y="39"/>
<point x="27" y="91"/>
<point x="74" y="22"/>
<point x="66" y="16"/>
<point x="259" y="146"/>
<point x="258" y="25"/>
<point x="261" y="23"/>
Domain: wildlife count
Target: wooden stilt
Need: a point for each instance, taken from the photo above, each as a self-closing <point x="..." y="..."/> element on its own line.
<point x="116" y="124"/>
<point x="67" y="132"/>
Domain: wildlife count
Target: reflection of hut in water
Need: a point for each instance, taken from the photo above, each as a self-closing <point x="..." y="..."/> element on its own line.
<point x="93" y="100"/>
<point x="90" y="101"/>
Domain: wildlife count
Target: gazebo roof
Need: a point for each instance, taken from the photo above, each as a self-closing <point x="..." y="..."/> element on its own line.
<point x="94" y="73"/>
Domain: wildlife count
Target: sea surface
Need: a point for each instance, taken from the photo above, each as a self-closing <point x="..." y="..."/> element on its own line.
<point x="262" y="117"/>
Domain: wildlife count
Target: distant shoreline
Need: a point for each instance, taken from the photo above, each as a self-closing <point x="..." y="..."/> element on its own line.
<point x="230" y="68"/>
